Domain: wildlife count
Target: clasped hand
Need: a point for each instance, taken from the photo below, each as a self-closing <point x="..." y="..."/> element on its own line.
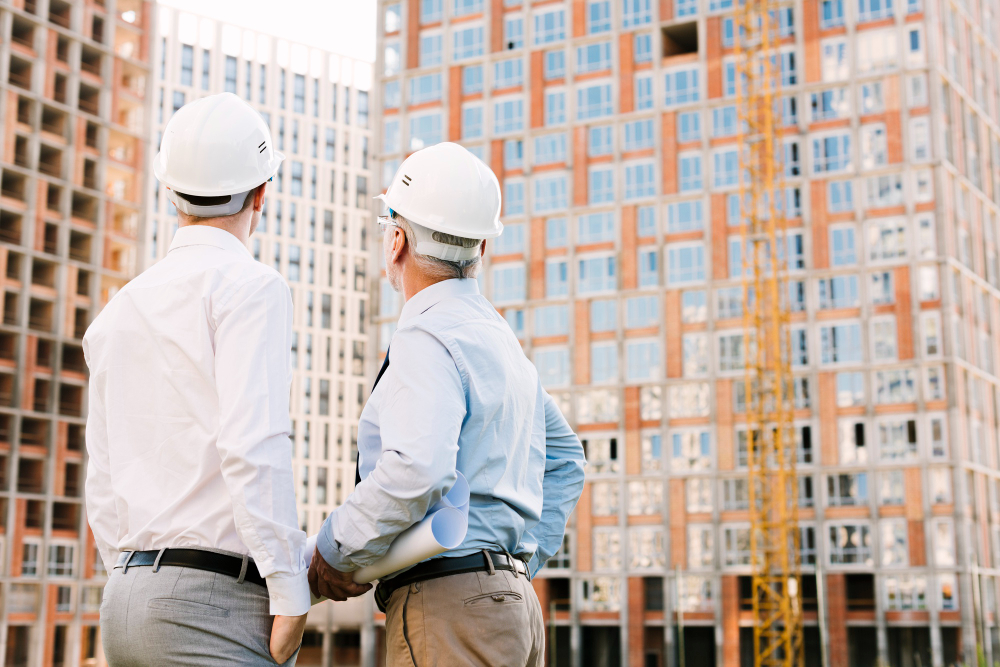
<point x="328" y="582"/>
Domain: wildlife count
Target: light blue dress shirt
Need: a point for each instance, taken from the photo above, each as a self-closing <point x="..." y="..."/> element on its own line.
<point x="459" y="394"/>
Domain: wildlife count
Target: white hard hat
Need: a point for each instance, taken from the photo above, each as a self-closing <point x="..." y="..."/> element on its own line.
<point x="218" y="148"/>
<point x="447" y="189"/>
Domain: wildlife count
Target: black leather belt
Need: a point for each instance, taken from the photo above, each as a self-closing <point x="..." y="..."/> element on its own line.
<point x="445" y="567"/>
<point x="196" y="559"/>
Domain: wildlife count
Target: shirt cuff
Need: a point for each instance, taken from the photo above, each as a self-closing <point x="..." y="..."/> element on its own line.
<point x="534" y="564"/>
<point x="289" y="594"/>
<point x="329" y="550"/>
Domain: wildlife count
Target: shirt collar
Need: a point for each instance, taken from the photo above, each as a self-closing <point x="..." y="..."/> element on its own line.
<point x="428" y="297"/>
<point x="206" y="235"/>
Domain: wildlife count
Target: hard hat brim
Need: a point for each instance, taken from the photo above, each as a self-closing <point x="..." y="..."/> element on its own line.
<point x="235" y="188"/>
<point x="436" y="226"/>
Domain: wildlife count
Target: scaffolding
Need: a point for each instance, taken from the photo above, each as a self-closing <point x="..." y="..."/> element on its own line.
<point x="768" y="385"/>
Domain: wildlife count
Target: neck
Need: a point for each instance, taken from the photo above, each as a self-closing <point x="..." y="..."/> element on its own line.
<point x="413" y="282"/>
<point x="238" y="226"/>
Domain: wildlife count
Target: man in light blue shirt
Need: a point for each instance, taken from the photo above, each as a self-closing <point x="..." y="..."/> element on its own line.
<point x="456" y="394"/>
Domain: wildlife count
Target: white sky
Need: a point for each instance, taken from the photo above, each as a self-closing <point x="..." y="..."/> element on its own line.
<point x="346" y="27"/>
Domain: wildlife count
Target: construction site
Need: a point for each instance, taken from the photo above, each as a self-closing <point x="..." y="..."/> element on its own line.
<point x="751" y="249"/>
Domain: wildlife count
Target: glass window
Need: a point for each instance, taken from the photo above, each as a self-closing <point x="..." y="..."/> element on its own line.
<point x="636" y="13"/>
<point x="508" y="116"/>
<point x="642" y="312"/>
<point x="593" y="57"/>
<point x="467" y="43"/>
<point x="688" y="126"/>
<point x="685" y="263"/>
<point x="596" y="274"/>
<point x="556" y="235"/>
<point x="555" y="65"/>
<point x="681" y="86"/>
<point x="472" y="122"/>
<point x="594" y="101"/>
<point x="508" y="283"/>
<point x="550" y="193"/>
<point x="602" y="185"/>
<point x="556" y="278"/>
<point x="598" y="16"/>
<point x="841" y="343"/>
<point x="508" y="73"/>
<point x="425" y="130"/>
<point x="601" y="141"/>
<point x="550" y="27"/>
<point x="551" y="320"/>
<point x="555" y="107"/>
<point x="640" y="181"/>
<point x="690" y="172"/>
<point x="553" y="366"/>
<point x="639" y="135"/>
<point x="603" y="316"/>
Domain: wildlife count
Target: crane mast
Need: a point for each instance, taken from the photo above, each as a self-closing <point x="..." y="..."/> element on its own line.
<point x="768" y="383"/>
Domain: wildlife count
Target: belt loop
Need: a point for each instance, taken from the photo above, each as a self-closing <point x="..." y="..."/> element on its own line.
<point x="125" y="567"/>
<point x="243" y="569"/>
<point x="156" y="563"/>
<point x="489" y="562"/>
<point x="510" y="561"/>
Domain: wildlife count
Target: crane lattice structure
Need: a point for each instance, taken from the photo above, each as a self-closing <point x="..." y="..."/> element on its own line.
<point x="769" y="393"/>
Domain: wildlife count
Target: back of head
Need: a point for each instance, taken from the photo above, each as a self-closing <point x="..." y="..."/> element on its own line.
<point x="214" y="152"/>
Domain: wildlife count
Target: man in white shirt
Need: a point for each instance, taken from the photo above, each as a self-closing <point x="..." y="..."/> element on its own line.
<point x="189" y="485"/>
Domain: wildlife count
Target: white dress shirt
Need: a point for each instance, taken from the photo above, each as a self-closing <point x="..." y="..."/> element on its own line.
<point x="190" y="370"/>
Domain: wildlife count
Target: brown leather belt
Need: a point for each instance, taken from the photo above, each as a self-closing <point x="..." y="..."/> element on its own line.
<point x="445" y="567"/>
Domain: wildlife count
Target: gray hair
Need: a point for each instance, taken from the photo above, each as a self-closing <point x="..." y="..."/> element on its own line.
<point x="434" y="267"/>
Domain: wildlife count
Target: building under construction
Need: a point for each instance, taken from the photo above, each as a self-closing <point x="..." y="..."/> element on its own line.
<point x="614" y="128"/>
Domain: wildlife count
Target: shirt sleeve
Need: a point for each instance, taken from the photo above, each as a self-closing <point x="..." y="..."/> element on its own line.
<point x="561" y="486"/>
<point x="420" y="419"/>
<point x="101" y="511"/>
<point x="253" y="379"/>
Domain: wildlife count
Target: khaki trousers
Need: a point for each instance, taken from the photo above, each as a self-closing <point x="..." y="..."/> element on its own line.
<point x="477" y="618"/>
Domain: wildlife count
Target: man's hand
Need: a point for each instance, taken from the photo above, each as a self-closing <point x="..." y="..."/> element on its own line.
<point x="325" y="581"/>
<point x="286" y="635"/>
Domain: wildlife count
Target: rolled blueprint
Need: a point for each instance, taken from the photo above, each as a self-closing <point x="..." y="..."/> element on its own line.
<point x="443" y="528"/>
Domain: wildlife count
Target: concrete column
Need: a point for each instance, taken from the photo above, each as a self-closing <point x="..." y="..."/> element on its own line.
<point x="368" y="634"/>
<point x="836" y="589"/>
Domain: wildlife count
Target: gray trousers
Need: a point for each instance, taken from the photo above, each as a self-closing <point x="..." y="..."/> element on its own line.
<point x="182" y="616"/>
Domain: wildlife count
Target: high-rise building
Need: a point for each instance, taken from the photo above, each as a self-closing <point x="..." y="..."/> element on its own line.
<point x="74" y="83"/>
<point x="316" y="230"/>
<point x="612" y="126"/>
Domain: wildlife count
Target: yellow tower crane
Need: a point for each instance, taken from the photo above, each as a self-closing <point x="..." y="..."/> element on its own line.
<point x="769" y="393"/>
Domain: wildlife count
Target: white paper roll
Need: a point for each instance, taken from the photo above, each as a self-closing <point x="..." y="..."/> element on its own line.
<point x="443" y="528"/>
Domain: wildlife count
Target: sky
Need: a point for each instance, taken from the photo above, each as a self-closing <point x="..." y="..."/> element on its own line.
<point x="346" y="27"/>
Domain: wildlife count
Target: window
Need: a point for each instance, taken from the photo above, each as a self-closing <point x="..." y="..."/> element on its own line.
<point x="877" y="50"/>
<point x="467" y="43"/>
<point x="513" y="197"/>
<point x="731" y="357"/>
<point x="508" y="116"/>
<point x="596" y="274"/>
<point x="895" y="386"/>
<point x="887" y="239"/>
<point x="29" y="559"/>
<point x="831" y="14"/>
<point x="602" y="185"/>
<point x="920" y="139"/>
<point x="508" y="283"/>
<point x="393" y="95"/>
<point x="930" y="325"/>
<point x="891" y="490"/>
<point x="593" y="57"/>
<point x="829" y="104"/>
<point x="594" y="102"/>
<point x="840" y="343"/>
<point x="550" y="27"/>
<point x="556" y="278"/>
<point x="905" y="592"/>
<point x="690" y="172"/>
<point x="874" y="148"/>
<point x="846" y="490"/>
<point x="839" y="292"/>
<point x="685" y="216"/>
<point x="636" y="13"/>
<point x="553" y="366"/>
<point x="508" y="74"/>
<point x="694" y="354"/>
<point x="61" y="560"/>
<point x="882" y="291"/>
<point x="513" y="154"/>
<point x="230" y="74"/>
<point x="639" y="135"/>
<point x="640" y="181"/>
<point x="681" y="86"/>
<point x="513" y="32"/>
<point x="895" y="545"/>
<point x="883" y="333"/>
<point x="431" y="11"/>
<point x="646" y="225"/>
<point x="850" y="389"/>
<point x="850" y="544"/>
<point x="604" y="363"/>
<point x="699" y="547"/>
<point x="425" y="130"/>
<point x="686" y="7"/>
<point x="426" y="88"/>
<point x="874" y="10"/>
<point x="897" y="439"/>
<point x="640" y="312"/>
<point x="430" y="50"/>
<point x="187" y="65"/>
<point x="463" y="7"/>
<point x="472" y="122"/>
<point x="842" y="250"/>
<point x="643" y="92"/>
<point x="511" y="242"/>
<point x="601" y="141"/>
<point x="840" y="197"/>
<point x="642" y="48"/>
<point x="726" y="168"/>
<point x="556" y="235"/>
<point x="472" y="79"/>
<point x="943" y="539"/>
<point x="643" y="359"/>
<point x="688" y="126"/>
<point x="649" y="275"/>
<point x="550" y="149"/>
<point x="550" y="193"/>
<point x="555" y="65"/>
<point x="685" y="263"/>
<point x="555" y="107"/>
<point x="691" y="450"/>
<point x="598" y="16"/>
<point x="736" y="546"/>
<point x="603" y="316"/>
<point x="832" y="153"/>
<point x="833" y="59"/>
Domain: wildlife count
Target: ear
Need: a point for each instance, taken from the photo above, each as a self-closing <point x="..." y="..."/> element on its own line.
<point x="482" y="248"/>
<point x="258" y="197"/>
<point x="397" y="245"/>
